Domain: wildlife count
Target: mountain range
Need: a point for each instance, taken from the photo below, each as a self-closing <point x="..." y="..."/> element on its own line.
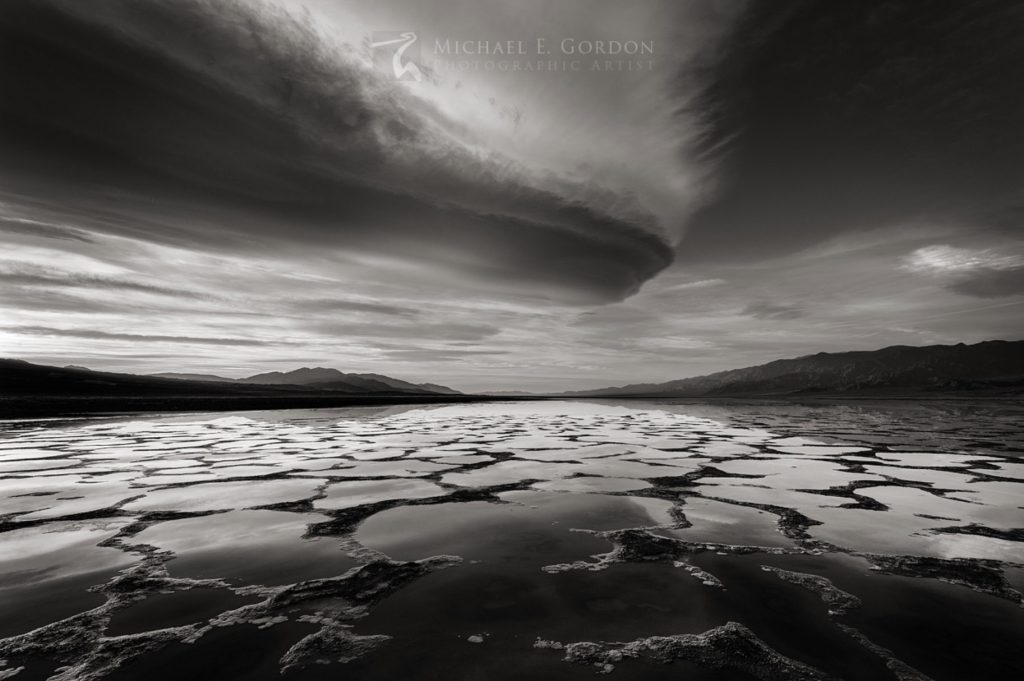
<point x="322" y="378"/>
<point x="26" y="380"/>
<point x="988" y="369"/>
<point x="990" y="366"/>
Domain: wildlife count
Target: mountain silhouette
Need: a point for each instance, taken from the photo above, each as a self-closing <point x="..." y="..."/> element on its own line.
<point x="988" y="366"/>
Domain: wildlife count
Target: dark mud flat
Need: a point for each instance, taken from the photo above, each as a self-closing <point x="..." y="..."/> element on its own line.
<point x="517" y="540"/>
<point x="53" y="407"/>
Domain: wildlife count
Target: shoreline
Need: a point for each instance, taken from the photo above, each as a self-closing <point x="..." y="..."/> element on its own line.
<point x="36" y="407"/>
<point x="47" y="407"/>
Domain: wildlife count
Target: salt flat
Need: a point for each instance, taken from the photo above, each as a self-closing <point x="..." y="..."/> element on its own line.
<point x="381" y="540"/>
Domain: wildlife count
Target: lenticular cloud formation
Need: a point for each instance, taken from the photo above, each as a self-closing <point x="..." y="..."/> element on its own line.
<point x="529" y="205"/>
<point x="227" y="118"/>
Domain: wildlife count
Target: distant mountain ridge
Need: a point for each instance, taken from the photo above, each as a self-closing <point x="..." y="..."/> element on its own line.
<point x="24" y="379"/>
<point x="323" y="378"/>
<point x="989" y="369"/>
<point x="988" y="366"/>
<point x="208" y="378"/>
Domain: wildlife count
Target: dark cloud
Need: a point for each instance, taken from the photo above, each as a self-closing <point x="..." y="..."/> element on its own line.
<point x="229" y="124"/>
<point x="768" y="310"/>
<point x="838" y="116"/>
<point x="1007" y="218"/>
<point x="134" y="337"/>
<point x="990" y="283"/>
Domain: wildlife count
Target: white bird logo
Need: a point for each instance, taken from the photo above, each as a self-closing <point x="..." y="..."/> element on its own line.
<point x="402" y="68"/>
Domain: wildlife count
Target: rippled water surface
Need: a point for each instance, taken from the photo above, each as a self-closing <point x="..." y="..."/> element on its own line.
<point x="517" y="540"/>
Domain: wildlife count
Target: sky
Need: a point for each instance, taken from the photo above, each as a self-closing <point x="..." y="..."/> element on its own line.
<point x="598" y="193"/>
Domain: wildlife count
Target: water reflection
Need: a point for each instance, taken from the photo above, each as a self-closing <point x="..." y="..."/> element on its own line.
<point x="573" y="521"/>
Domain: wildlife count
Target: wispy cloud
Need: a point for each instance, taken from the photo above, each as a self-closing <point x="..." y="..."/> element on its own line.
<point x="982" y="273"/>
<point x="764" y="309"/>
<point x="328" y="305"/>
<point x="944" y="259"/>
<point x="136" y="337"/>
<point x="991" y="283"/>
<point x="19" y="276"/>
<point x="419" y="331"/>
<point x="692" y="285"/>
<point x="11" y="224"/>
<point x="428" y="355"/>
